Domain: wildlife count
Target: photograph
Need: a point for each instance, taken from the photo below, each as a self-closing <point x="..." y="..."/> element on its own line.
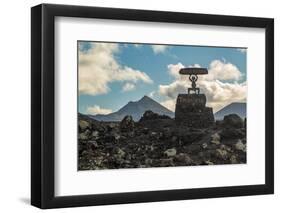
<point x="141" y="105"/>
<point x="160" y="105"/>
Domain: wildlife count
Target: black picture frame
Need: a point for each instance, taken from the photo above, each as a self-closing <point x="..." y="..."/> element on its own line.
<point x="43" y="102"/>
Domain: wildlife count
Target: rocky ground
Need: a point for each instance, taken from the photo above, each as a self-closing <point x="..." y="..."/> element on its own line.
<point x="156" y="141"/>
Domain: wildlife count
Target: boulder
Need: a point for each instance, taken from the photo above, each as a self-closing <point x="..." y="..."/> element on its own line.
<point x="170" y="152"/>
<point x="95" y="134"/>
<point x="127" y="124"/>
<point x="85" y="135"/>
<point x="109" y="138"/>
<point x="208" y="162"/>
<point x="216" y="139"/>
<point x="83" y="125"/>
<point x="194" y="148"/>
<point x="183" y="159"/>
<point x="204" y="145"/>
<point x="233" y="121"/>
<point x="232" y="133"/>
<point x="148" y="162"/>
<point x="166" y="162"/>
<point x="222" y="154"/>
<point x="93" y="145"/>
<point x="187" y="137"/>
<point x="119" y="153"/>
<point x="233" y="159"/>
<point x="240" y="146"/>
<point x="149" y="115"/>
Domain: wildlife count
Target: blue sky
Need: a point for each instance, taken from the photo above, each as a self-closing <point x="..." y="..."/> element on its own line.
<point x="112" y="74"/>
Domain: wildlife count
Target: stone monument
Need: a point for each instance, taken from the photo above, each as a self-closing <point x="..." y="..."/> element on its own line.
<point x="191" y="108"/>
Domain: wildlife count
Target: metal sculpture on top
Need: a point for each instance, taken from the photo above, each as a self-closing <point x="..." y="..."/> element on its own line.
<point x="193" y="72"/>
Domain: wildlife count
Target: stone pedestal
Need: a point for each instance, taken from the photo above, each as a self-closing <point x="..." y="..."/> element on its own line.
<point x="191" y="111"/>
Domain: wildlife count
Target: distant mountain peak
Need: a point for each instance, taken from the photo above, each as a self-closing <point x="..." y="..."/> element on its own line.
<point x="145" y="98"/>
<point x="238" y="108"/>
<point x="136" y="110"/>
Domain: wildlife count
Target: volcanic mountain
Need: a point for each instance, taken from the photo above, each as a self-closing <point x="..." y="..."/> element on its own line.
<point x="233" y="108"/>
<point x="136" y="110"/>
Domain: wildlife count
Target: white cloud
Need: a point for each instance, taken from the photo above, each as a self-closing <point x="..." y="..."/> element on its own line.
<point x="242" y="50"/>
<point x="98" y="67"/>
<point x="195" y="65"/>
<point x="151" y="94"/>
<point x="172" y="90"/>
<point x="169" y="104"/>
<point x="173" y="69"/>
<point x="159" y="48"/>
<point x="218" y="92"/>
<point x="94" y="110"/>
<point x="219" y="70"/>
<point x="128" y="87"/>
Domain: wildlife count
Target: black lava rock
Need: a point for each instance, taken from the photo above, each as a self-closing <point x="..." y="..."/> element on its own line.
<point x="233" y="121"/>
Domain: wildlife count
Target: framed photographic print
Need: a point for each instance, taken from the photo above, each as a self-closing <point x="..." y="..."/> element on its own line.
<point x="139" y="106"/>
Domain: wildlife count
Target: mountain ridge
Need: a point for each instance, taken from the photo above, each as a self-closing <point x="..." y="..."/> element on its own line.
<point x="238" y="108"/>
<point x="136" y="110"/>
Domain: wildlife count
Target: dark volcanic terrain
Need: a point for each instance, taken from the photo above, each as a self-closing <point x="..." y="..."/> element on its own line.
<point x="156" y="141"/>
